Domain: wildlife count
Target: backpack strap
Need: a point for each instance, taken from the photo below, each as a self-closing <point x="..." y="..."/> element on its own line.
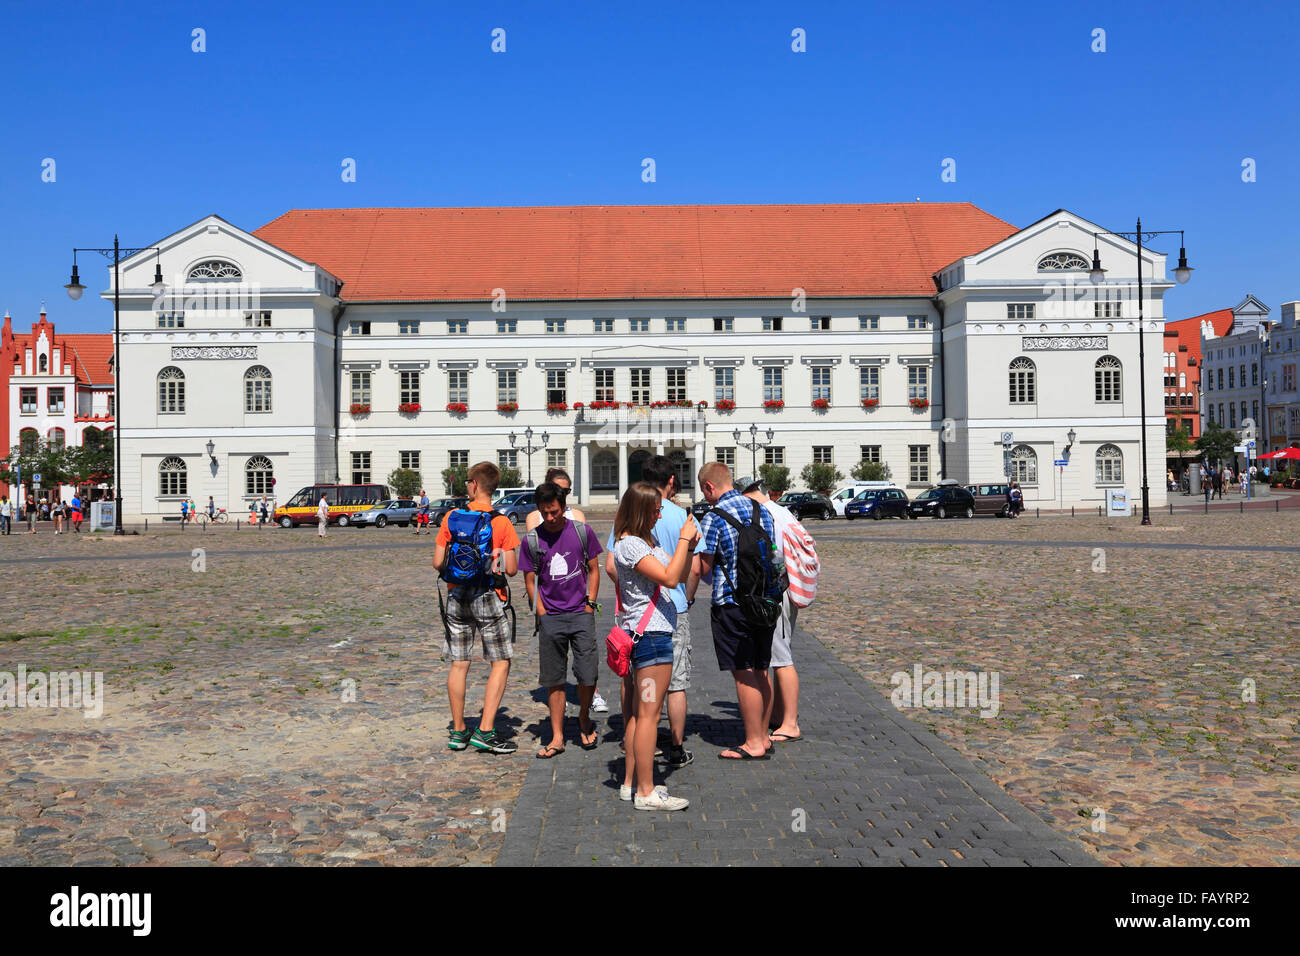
<point x="535" y="552"/>
<point x="582" y="540"/>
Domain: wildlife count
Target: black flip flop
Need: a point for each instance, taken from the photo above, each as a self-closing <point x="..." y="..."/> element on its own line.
<point x="555" y="752"/>
<point x="744" y="755"/>
<point x="784" y="739"/>
<point x="595" y="739"/>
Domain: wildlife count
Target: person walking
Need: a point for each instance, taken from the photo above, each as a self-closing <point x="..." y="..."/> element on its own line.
<point x="57" y="511"/>
<point x="6" y="514"/>
<point x="1017" y="499"/>
<point x="76" y="513"/>
<point x="422" y="516"/>
<point x="212" y="508"/>
<point x="474" y="552"/>
<point x="322" y="516"/>
<point x="646" y="611"/>
<point x="1207" y="482"/>
<point x="264" y="511"/>
<point x="31" y="516"/>
<point x="1218" y="482"/>
<point x="562" y="576"/>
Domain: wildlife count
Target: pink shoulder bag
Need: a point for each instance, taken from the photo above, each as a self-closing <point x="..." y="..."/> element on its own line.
<point x="618" y="643"/>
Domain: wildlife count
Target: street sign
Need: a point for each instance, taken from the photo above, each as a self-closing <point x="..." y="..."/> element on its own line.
<point x="36" y="478"/>
<point x="1007" y="440"/>
<point x="1239" y="449"/>
<point x="1061" y="462"/>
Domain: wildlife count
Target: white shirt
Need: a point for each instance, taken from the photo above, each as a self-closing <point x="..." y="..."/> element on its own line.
<point x="324" y="510"/>
<point x="782" y="518"/>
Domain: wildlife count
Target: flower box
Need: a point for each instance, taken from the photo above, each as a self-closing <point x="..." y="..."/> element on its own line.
<point x="598" y="405"/>
<point x="507" y="406"/>
<point x="359" y="408"/>
<point x="701" y="404"/>
<point x="774" y="404"/>
<point x="555" y="407"/>
<point x="821" y="404"/>
<point x="725" y="405"/>
<point x="919" y="403"/>
<point x="456" y="408"/>
<point x="578" y="406"/>
<point x="870" y="402"/>
<point x="409" y="408"/>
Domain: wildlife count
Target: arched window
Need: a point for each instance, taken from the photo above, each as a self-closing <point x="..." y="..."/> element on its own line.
<point x="28" y="439"/>
<point x="1110" y="465"/>
<point x="1182" y="379"/>
<point x="1024" y="387"/>
<point x="1063" y="262"/>
<point x="172" y="478"/>
<point x="604" y="470"/>
<point x="216" y="269"/>
<point x="257" y="389"/>
<point x="57" y="438"/>
<point x="1107" y="379"/>
<point x="171" y="390"/>
<point x="42" y="363"/>
<point x="258" y="474"/>
<point x="1024" y="465"/>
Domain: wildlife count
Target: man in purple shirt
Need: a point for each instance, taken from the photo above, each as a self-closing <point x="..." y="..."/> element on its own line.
<point x="558" y="559"/>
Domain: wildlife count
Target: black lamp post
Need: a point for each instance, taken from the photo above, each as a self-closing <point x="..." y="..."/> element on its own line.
<point x="1182" y="273"/>
<point x="528" y="447"/>
<point x="75" y="289"/>
<point x="753" y="445"/>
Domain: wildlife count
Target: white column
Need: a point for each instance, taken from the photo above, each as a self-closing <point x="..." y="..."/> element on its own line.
<point x="584" y="472"/>
<point x="622" y="467"/>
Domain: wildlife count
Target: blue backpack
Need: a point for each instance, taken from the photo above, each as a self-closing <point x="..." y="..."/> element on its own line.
<point x="469" y="554"/>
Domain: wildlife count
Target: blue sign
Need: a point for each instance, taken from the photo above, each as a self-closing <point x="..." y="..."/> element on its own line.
<point x="1061" y="462"/>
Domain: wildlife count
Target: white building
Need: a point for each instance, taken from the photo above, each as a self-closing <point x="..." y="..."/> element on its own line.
<point x="1281" y="361"/>
<point x="1232" y="372"/>
<point x="926" y="330"/>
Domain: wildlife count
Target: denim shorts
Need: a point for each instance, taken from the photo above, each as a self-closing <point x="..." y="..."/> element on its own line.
<point x="655" y="647"/>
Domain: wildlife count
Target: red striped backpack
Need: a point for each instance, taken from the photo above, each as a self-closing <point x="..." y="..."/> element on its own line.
<point x="801" y="564"/>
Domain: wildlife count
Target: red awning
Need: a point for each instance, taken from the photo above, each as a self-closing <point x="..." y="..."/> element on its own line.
<point x="1292" y="453"/>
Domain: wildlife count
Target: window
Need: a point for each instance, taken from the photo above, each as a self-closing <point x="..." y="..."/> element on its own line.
<point x="1023" y="382"/>
<point x="458" y="326"/>
<point x="171" y="320"/>
<point x="1220" y="379"/>
<point x="358" y="328"/>
<point x="1110" y="465"/>
<point x="257" y="320"/>
<point x="868" y="323"/>
<point x="28" y="439"/>
<point x="604" y="470"/>
<point x="604" y="326"/>
<point x="1254" y="374"/>
<point x="557" y="458"/>
<point x="869" y="453"/>
<point x="507" y="326"/>
<point x="1209" y="383"/>
<point x="258" y="475"/>
<point x="676" y="385"/>
<point x="409" y="460"/>
<point x="1107" y="379"/>
<point x="724" y="384"/>
<point x="361" y="468"/>
<point x="1063" y="262"/>
<point x="54" y="399"/>
<point x="408" y="387"/>
<point x="726" y="454"/>
<point x="507" y="458"/>
<point x="1232" y="383"/>
<point x="640" y="386"/>
<point x="774" y="455"/>
<point x="216" y="269"/>
<point x="821" y="382"/>
<point x="171" y="390"/>
<point x="1243" y="414"/>
<point x="724" y="323"/>
<point x="408" y="327"/>
<point x="458" y="458"/>
<point x="772" y="323"/>
<point x="1020" y="311"/>
<point x="675" y="325"/>
<point x="361" y="388"/>
<point x="1210" y="413"/>
<point x="172" y="478"/>
<point x="1254" y="410"/>
<point x="1111" y="310"/>
<point x="257" y="389"/>
<point x="1182" y="379"/>
<point x="555" y="326"/>
<point x="773" y="383"/>
<point x="820" y="323"/>
<point x="918" y="382"/>
<point x="1024" y="465"/>
<point x="918" y="322"/>
<point x="638" y="325"/>
<point x="821" y="455"/>
<point x="27" y="400"/>
<point x="507" y="386"/>
<point x="1288" y="378"/>
<point x="1243" y="376"/>
<point x="457" y="386"/>
<point x="556" y="391"/>
<point x="1232" y="415"/>
<point x="918" y="463"/>
<point x="1222" y="419"/>
<point x="869" y="379"/>
<point x="604" y="384"/>
<point x="58" y="439"/>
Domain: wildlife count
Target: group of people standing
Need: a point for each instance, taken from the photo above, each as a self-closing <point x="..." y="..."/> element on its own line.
<point x="656" y="557"/>
<point x="65" y="514"/>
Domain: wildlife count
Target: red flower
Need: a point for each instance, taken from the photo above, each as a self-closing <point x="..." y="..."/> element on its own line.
<point x="919" y="402"/>
<point x="557" y="406"/>
<point x="725" y="405"/>
<point x="870" y="402"/>
<point x="774" y="403"/>
<point x="821" y="404"/>
<point x="508" y="407"/>
<point x="360" y="408"/>
<point x="456" y="408"/>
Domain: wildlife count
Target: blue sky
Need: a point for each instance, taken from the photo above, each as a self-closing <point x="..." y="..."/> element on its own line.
<point x="148" y="135"/>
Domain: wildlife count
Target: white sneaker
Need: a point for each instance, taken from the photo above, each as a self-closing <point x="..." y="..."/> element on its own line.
<point x="660" y="800"/>
<point x="598" y="704"/>
<point x="625" y="793"/>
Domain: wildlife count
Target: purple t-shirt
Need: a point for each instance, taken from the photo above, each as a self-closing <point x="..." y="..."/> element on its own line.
<point x="562" y="580"/>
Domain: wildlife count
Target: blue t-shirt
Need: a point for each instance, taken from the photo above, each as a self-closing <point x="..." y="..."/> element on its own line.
<point x="666" y="531"/>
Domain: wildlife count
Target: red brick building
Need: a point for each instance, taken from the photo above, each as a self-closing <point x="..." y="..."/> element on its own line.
<point x="1182" y="367"/>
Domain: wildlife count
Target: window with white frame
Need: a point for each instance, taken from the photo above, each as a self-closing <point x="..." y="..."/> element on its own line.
<point x="675" y="325"/>
<point x="172" y="477"/>
<point x="557" y="458"/>
<point x="555" y="326"/>
<point x="408" y="327"/>
<point x="1023" y="380"/>
<point x="171" y="320"/>
<point x="408" y="387"/>
<point x="918" y="383"/>
<point x="868" y="323"/>
<point x="507" y="458"/>
<point x="257" y="389"/>
<point x="1024" y="465"/>
<point x="869" y="453"/>
<point x="1110" y="309"/>
<point x="918" y="322"/>
<point x="822" y="455"/>
<point x="458" y="326"/>
<point x="557" y="392"/>
<point x="27" y="398"/>
<point x="640" y="386"/>
<point x="171" y="391"/>
<point x="604" y="470"/>
<point x="638" y="325"/>
<point x="820" y="323"/>
<point x="724" y="384"/>
<point x="259" y="476"/>
<point x="458" y="458"/>
<point x="1232" y="415"/>
<point x="1288" y="377"/>
<point x="676" y="378"/>
<point x="507" y="326"/>
<point x="726" y="454"/>
<point x="821" y="382"/>
<point x="361" y="468"/>
<point x="772" y="323"/>
<point x="604" y="326"/>
<point x="724" y="323"/>
<point x="869" y="381"/>
<point x="257" y="320"/>
<point x="1020" y="311"/>
<point x="1110" y="465"/>
<point x="358" y="328"/>
<point x="918" y="463"/>
<point x="774" y="455"/>
<point x="773" y="383"/>
<point x="507" y="386"/>
<point x="361" y="387"/>
<point x="410" y="460"/>
<point x="54" y="400"/>
<point x="604" y="384"/>
<point x="1107" y="379"/>
<point x="458" y="385"/>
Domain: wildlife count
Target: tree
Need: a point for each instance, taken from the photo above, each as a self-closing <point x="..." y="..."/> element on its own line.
<point x="1216" y="443"/>
<point x="1177" y="440"/>
<point x="404" y="482"/>
<point x="53" y="462"/>
<point x="821" y="478"/>
<point x="510" y="478"/>
<point x="870" y="471"/>
<point x="454" y="478"/>
<point x="776" y="478"/>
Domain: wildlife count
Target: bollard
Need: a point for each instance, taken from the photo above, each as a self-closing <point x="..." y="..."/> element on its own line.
<point x="1098" y="511"/>
<point x="1207" y="506"/>
<point x="1071" y="511"/>
<point x="1038" y="512"/>
<point x="236" y="524"/>
<point x="1275" y="504"/>
<point x="146" y="525"/>
<point x="1241" y="507"/>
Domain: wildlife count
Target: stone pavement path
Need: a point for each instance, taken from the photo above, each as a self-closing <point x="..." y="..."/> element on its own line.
<point x="866" y="786"/>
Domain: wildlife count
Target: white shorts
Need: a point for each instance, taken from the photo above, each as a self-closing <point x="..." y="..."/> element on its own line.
<point x="782" y="633"/>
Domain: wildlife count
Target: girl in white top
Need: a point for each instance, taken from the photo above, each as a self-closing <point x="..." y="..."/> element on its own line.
<point x="322" y="516"/>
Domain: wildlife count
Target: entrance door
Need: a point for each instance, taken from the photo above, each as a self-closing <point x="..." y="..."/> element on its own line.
<point x="634" y="463"/>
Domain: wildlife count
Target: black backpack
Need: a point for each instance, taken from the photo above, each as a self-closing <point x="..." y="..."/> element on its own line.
<point x="758" y="584"/>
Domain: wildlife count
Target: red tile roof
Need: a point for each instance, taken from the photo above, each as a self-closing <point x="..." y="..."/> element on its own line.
<point x="96" y="357"/>
<point x="630" y="252"/>
<point x="1189" y="330"/>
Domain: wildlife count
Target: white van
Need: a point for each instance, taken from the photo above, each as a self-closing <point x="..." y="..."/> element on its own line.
<point x="846" y="493"/>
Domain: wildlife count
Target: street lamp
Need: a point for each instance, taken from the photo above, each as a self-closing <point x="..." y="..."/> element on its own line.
<point x="753" y="445"/>
<point x="528" y="447"/>
<point x="1182" y="273"/>
<point x="212" y="449"/>
<point x="75" y="289"/>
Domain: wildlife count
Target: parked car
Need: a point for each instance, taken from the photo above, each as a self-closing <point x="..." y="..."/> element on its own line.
<point x="878" y="503"/>
<point x="397" y="511"/>
<point x="944" y="502"/>
<point x="845" y="493"/>
<point x="516" y="507"/>
<point x="990" y="499"/>
<point x="438" y="509"/>
<point x="501" y="493"/>
<point x="808" y="504"/>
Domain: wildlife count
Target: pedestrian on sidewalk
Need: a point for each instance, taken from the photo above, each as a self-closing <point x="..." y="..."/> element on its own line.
<point x="562" y="576"/>
<point x="645" y="575"/>
<point x="57" y="510"/>
<point x="77" y="505"/>
<point x="422" y="516"/>
<point x="6" y="514"/>
<point x="1218" y="482"/>
<point x="322" y="515"/>
<point x="264" y="511"/>
<point x="1206" y="481"/>
<point x="475" y="550"/>
<point x="31" y="516"/>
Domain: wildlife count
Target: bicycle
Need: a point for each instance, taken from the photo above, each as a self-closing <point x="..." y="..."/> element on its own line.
<point x="217" y="517"/>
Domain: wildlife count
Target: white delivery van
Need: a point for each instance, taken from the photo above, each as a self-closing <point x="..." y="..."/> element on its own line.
<point x="846" y="493"/>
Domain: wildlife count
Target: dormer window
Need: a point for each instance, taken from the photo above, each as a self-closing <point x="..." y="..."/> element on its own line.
<point x="42" y="363"/>
<point x="1063" y="262"/>
<point x="216" y="269"/>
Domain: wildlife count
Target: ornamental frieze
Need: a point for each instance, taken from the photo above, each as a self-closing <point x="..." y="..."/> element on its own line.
<point x="1062" y="343"/>
<point x="214" y="352"/>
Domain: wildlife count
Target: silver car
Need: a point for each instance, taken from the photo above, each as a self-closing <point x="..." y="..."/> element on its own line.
<point x="517" y="506"/>
<point x="398" y="511"/>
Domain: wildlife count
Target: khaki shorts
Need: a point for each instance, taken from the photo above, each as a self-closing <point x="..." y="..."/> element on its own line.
<point x="482" y="614"/>
<point x="681" y="676"/>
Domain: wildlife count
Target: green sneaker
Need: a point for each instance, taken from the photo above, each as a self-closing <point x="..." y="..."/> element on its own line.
<point x="458" y="739"/>
<point x="490" y="743"/>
